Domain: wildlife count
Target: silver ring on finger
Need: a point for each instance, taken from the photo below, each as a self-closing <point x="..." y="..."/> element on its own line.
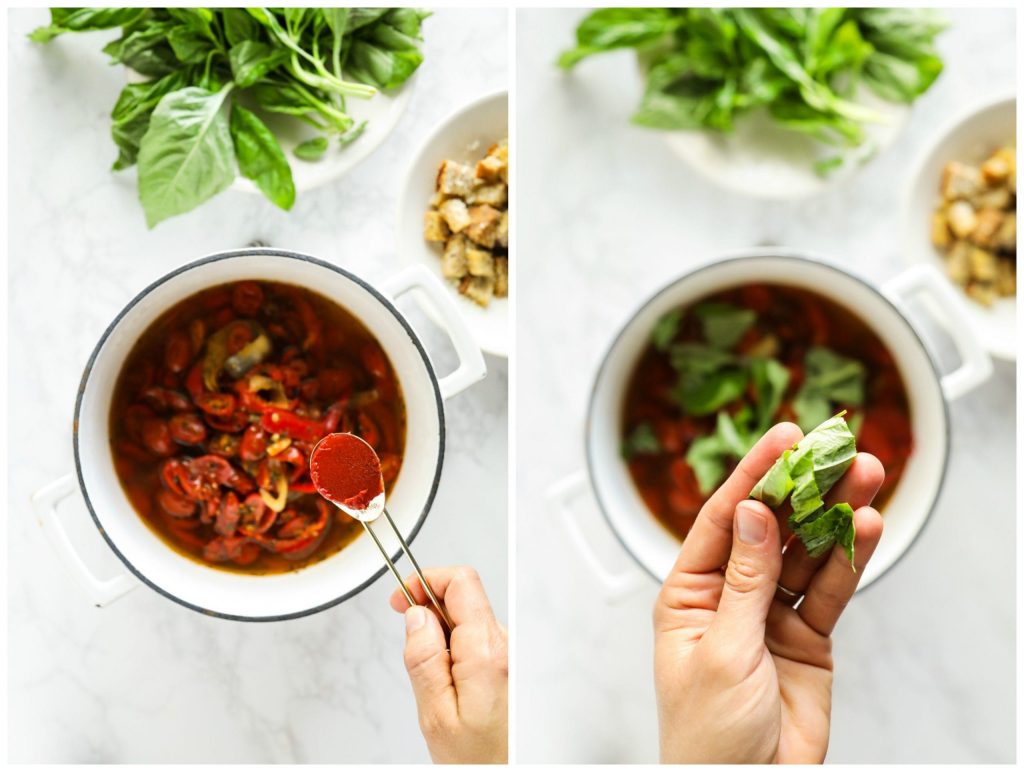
<point x="787" y="596"/>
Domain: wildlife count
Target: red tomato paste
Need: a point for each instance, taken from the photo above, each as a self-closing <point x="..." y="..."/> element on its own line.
<point x="346" y="470"/>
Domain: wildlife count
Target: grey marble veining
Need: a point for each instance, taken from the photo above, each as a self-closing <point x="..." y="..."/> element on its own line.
<point x="144" y="679"/>
<point x="925" y="659"/>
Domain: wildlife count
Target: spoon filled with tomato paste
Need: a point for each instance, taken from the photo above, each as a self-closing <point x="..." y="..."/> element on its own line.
<point x="346" y="471"/>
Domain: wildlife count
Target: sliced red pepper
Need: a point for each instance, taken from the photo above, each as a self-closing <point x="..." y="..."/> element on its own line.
<point x="278" y="421"/>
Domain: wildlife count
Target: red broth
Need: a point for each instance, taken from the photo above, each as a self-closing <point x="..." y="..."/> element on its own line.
<point x="798" y="319"/>
<point x="217" y="409"/>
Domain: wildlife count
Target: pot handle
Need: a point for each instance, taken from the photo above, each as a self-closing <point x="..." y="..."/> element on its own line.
<point x="101" y="592"/>
<point x="472" y="367"/>
<point x="975" y="363"/>
<point x="561" y="497"/>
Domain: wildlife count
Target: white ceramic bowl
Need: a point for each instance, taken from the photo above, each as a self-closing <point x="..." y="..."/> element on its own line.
<point x="762" y="159"/>
<point x="464" y="135"/>
<point x="235" y="595"/>
<point x="652" y="546"/>
<point x="971" y="137"/>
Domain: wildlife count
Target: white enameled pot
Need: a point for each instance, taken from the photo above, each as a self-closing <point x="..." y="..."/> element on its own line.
<point x="235" y="595"/>
<point x="884" y="311"/>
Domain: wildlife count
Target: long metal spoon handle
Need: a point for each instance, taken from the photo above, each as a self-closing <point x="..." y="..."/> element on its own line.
<point x="387" y="559"/>
<point x="419" y="572"/>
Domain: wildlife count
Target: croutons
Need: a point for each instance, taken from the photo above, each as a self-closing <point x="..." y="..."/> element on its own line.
<point x="453" y="260"/>
<point x="501" y="277"/>
<point x="480" y="262"/>
<point x="456" y="214"/>
<point x="483" y="225"/>
<point x="975" y="225"/>
<point x="434" y="227"/>
<point x="469" y="216"/>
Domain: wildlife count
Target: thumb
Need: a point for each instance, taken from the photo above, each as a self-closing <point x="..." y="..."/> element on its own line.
<point x="751" y="576"/>
<point x="429" y="665"/>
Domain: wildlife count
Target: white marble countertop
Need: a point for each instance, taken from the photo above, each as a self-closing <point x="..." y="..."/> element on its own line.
<point x="145" y="679"/>
<point x="925" y="659"/>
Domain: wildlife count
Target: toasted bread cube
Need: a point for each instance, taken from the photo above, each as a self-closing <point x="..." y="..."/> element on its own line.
<point x="958" y="264"/>
<point x="989" y="222"/>
<point x="456" y="214"/>
<point x="479" y="289"/>
<point x="489" y="169"/>
<point x="502" y="235"/>
<point x="984" y="267"/>
<point x="940" y="230"/>
<point x="480" y="262"/>
<point x="455" y="179"/>
<point x="483" y="225"/>
<point x="960" y="180"/>
<point x="961" y="217"/>
<point x="1006" y="239"/>
<point x="434" y="227"/>
<point x="501" y="277"/>
<point x="1006" y="284"/>
<point x="995" y="170"/>
<point x="993" y="198"/>
<point x="453" y="259"/>
<point x="437" y="199"/>
<point x="493" y="195"/>
<point x="983" y="292"/>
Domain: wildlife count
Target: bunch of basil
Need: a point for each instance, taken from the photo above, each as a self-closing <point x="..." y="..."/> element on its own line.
<point x="713" y="378"/>
<point x="706" y="66"/>
<point x="187" y="128"/>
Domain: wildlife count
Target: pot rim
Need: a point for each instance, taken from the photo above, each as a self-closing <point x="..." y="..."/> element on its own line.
<point x="755" y="253"/>
<point x="263" y="252"/>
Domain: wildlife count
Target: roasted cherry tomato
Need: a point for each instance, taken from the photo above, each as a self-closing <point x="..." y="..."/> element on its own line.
<point x="177" y="352"/>
<point x="174" y="504"/>
<point x="156" y="436"/>
<point x="216" y="404"/>
<point x="246" y="298"/>
<point x="187" y="429"/>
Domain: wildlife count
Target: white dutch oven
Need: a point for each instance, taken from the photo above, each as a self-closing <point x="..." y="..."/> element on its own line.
<point x="241" y="596"/>
<point x="650" y="544"/>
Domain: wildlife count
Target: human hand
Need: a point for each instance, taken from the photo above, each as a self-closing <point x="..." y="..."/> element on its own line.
<point x="741" y="676"/>
<point x="461" y="697"/>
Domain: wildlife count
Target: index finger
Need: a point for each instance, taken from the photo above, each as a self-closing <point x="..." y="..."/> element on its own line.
<point x="707" y="546"/>
<point x="458" y="587"/>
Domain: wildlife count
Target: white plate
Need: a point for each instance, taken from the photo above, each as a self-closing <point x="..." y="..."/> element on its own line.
<point x="464" y="136"/>
<point x="971" y="137"/>
<point x="760" y="158"/>
<point x="381" y="113"/>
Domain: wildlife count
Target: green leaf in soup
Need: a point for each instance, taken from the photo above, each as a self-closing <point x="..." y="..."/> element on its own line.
<point x="707" y="458"/>
<point x="723" y="323"/>
<point x="238" y="25"/>
<point x="610" y="28"/>
<point x="641" y="441"/>
<point x="260" y="157"/>
<point x="811" y="408"/>
<point x="831" y="527"/>
<point x="82" y="19"/>
<point x="666" y="329"/>
<point x="829" y="378"/>
<point x="706" y="394"/>
<point x="251" y="61"/>
<point x="311" y="149"/>
<point x="186" y="155"/>
<point x="770" y="379"/>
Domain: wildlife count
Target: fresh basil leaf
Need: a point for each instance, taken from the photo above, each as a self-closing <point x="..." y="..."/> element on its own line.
<point x="83" y="19"/>
<point x="311" y="149"/>
<point x="666" y="329"/>
<point x="707" y="458"/>
<point x="252" y="61"/>
<point x="723" y="323"/>
<point x="186" y="156"/>
<point x="641" y="441"/>
<point x="831" y="527"/>
<point x="238" y="25"/>
<point x="145" y="50"/>
<point x="260" y="157"/>
<point x="709" y="378"/>
<point x="610" y="28"/>
<point x="188" y="46"/>
<point x="375" y="65"/>
<point x="132" y="110"/>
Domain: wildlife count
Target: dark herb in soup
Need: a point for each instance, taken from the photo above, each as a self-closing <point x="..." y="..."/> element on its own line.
<point x="217" y="409"/>
<point x="718" y="373"/>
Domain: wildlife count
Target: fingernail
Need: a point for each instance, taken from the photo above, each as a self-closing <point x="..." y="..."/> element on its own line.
<point x="750" y="523"/>
<point x="415" y="617"/>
